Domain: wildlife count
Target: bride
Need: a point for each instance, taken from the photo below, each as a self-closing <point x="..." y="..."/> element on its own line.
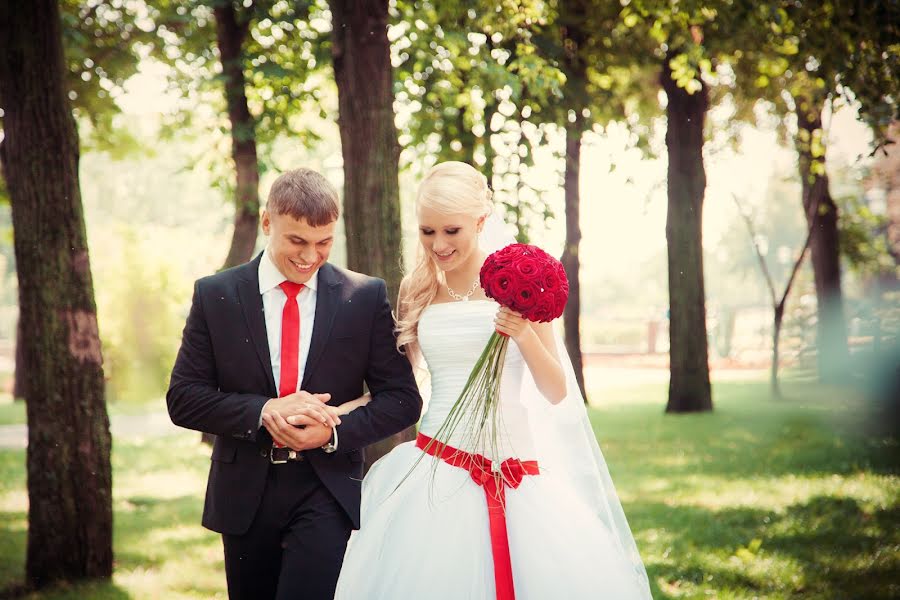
<point x="432" y="525"/>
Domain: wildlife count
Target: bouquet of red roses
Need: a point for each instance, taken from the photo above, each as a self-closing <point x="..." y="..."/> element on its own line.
<point x="527" y="280"/>
<point x="532" y="283"/>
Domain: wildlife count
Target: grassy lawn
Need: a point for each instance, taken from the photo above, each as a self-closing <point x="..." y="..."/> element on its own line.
<point x="13" y="413"/>
<point x="759" y="499"/>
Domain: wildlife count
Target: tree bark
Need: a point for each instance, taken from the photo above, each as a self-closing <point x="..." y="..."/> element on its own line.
<point x="573" y="15"/>
<point x="20" y="370"/>
<point x="777" y="318"/>
<point x="362" y="69"/>
<point x="833" y="353"/>
<point x="689" y="389"/>
<point x="570" y="257"/>
<point x="230" y="34"/>
<point x="489" y="153"/>
<point x="69" y="475"/>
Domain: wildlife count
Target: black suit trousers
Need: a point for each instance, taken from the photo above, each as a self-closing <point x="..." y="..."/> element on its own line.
<point x="295" y="545"/>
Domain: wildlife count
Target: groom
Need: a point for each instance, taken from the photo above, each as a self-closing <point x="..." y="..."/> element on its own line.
<point x="288" y="335"/>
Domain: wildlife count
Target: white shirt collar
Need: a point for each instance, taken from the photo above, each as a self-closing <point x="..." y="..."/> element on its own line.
<point x="270" y="277"/>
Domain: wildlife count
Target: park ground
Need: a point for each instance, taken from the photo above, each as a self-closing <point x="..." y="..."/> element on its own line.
<point x="762" y="498"/>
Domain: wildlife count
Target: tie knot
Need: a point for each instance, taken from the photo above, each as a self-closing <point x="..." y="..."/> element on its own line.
<point x="291" y="289"/>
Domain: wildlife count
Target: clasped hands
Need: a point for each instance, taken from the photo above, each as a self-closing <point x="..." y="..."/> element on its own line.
<point x="300" y="421"/>
<point x="303" y="421"/>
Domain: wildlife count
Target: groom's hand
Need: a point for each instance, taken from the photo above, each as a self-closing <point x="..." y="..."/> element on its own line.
<point x="313" y="433"/>
<point x="303" y="404"/>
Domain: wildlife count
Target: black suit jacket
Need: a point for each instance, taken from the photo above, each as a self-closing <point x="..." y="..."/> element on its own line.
<point x="223" y="376"/>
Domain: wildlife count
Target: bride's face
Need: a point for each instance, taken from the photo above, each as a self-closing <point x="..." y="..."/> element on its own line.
<point x="450" y="239"/>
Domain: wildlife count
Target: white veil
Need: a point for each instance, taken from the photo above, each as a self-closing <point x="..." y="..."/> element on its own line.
<point x="564" y="440"/>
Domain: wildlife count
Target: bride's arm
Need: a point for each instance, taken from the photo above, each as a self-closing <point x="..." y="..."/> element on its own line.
<point x="346" y="407"/>
<point x="538" y="348"/>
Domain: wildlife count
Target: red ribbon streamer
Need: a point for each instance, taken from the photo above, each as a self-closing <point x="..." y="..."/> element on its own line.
<point x="494" y="478"/>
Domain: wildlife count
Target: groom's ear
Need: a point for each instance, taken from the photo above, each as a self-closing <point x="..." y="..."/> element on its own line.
<point x="266" y="221"/>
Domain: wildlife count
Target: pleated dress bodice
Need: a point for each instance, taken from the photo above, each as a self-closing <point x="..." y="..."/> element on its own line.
<point x="452" y="336"/>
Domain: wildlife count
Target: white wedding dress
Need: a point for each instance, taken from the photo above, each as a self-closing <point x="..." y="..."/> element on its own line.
<point x="429" y="537"/>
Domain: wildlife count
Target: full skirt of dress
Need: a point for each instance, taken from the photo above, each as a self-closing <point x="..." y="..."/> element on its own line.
<point x="428" y="537"/>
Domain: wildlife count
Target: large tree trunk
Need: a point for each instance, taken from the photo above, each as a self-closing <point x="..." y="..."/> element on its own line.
<point x="570" y="258"/>
<point x="572" y="19"/>
<point x="20" y="370"/>
<point x="489" y="153"/>
<point x="362" y="70"/>
<point x="689" y="388"/>
<point x="231" y="34"/>
<point x="831" y="330"/>
<point x="69" y="476"/>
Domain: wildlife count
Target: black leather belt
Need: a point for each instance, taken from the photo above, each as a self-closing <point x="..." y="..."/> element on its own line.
<point x="279" y="456"/>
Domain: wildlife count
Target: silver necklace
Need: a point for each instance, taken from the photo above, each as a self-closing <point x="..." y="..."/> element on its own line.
<point x="464" y="298"/>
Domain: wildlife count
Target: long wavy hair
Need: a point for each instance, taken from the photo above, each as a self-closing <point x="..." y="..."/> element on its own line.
<point x="451" y="188"/>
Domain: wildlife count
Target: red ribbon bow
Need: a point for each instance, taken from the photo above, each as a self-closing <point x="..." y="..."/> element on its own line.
<point x="494" y="478"/>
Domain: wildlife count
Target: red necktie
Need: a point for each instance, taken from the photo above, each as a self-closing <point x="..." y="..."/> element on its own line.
<point x="290" y="341"/>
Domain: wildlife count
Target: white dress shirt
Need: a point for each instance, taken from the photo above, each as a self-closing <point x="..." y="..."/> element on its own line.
<point x="274" y="298"/>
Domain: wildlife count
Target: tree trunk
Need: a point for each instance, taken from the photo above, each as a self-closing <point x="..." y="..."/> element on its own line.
<point x="689" y="389"/>
<point x="20" y="370"/>
<point x="572" y="18"/>
<point x="778" y="316"/>
<point x="69" y="475"/>
<point x="362" y="69"/>
<point x="570" y="258"/>
<point x="230" y="35"/>
<point x="489" y="153"/>
<point x="831" y="330"/>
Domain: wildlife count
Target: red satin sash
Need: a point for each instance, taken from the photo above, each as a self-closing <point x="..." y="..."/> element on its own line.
<point x="485" y="473"/>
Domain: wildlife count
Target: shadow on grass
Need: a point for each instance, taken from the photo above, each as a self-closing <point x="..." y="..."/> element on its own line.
<point x="828" y="547"/>
<point x="160" y="548"/>
<point x="152" y="531"/>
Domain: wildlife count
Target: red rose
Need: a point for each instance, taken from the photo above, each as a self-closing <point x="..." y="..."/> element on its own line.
<point x="526" y="298"/>
<point x="527" y="266"/>
<point x="549" y="280"/>
<point x="548" y="308"/>
<point x="503" y="289"/>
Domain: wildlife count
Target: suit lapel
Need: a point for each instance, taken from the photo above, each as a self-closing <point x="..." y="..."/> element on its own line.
<point x="252" y="307"/>
<point x="327" y="300"/>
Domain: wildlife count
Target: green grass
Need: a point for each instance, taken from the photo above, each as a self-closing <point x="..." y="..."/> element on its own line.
<point x="161" y="551"/>
<point x="13" y="413"/>
<point x="759" y="499"/>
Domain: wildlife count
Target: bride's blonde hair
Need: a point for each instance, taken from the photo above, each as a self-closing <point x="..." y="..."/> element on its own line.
<point x="450" y="187"/>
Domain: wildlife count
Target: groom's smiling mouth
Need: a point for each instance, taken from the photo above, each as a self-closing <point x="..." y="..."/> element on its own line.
<point x="302" y="267"/>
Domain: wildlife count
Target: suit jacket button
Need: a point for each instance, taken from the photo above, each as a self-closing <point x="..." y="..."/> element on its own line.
<point x="263" y="453"/>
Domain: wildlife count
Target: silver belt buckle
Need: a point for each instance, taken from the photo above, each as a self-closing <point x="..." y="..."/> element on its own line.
<point x="272" y="457"/>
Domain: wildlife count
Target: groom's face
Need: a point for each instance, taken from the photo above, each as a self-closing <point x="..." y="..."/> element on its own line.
<point x="297" y="248"/>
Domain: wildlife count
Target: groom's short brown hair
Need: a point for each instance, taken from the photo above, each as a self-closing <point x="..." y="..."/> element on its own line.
<point x="304" y="194"/>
